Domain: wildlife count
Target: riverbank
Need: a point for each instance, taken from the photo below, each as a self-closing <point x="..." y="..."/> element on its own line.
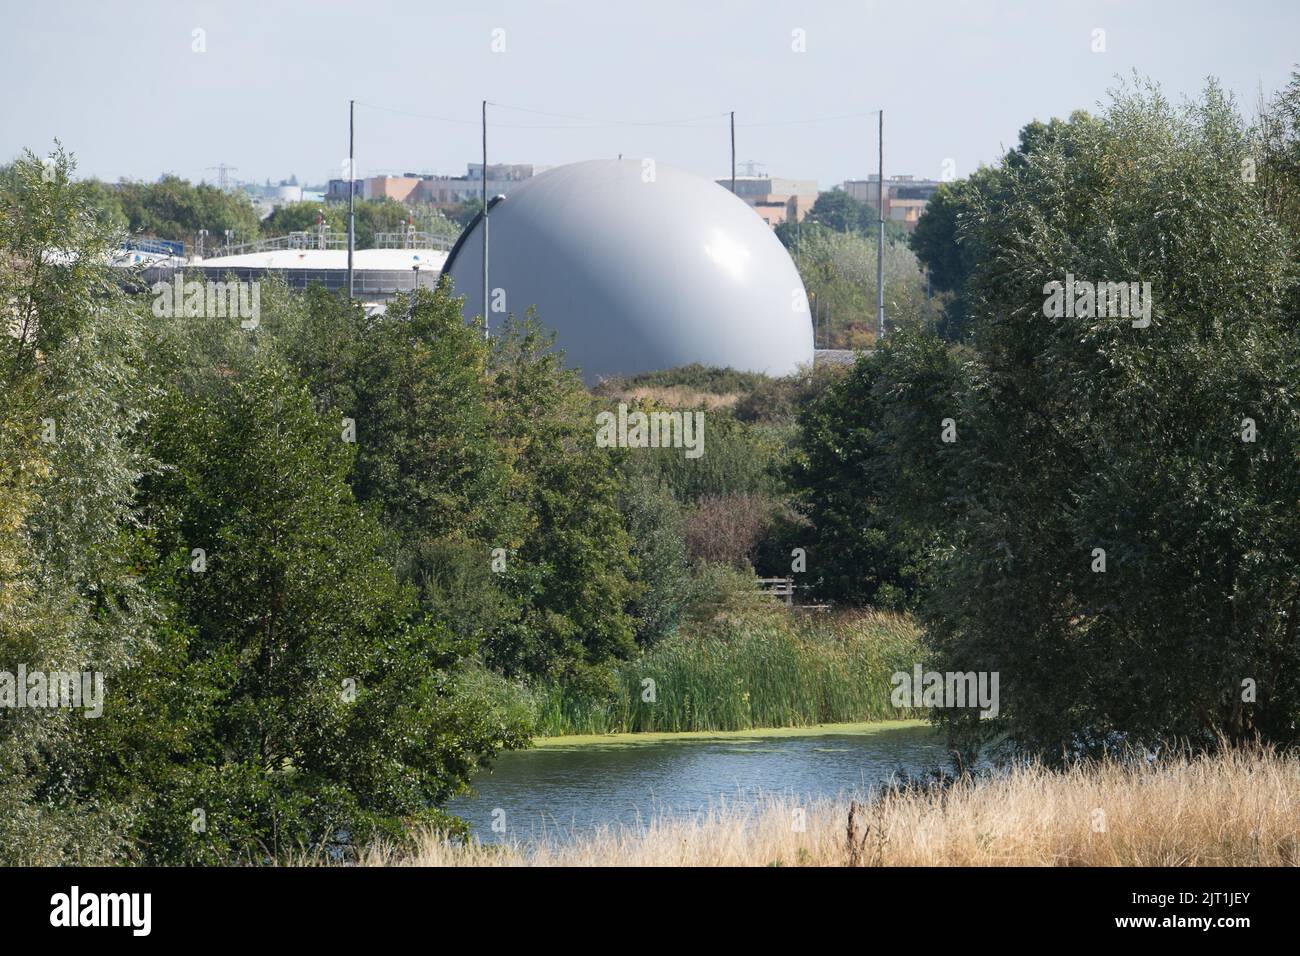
<point x="761" y="733"/>
<point x="1240" y="808"/>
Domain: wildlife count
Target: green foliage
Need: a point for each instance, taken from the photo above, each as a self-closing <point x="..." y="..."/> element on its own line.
<point x="702" y="378"/>
<point x="571" y="572"/>
<point x="1083" y="433"/>
<point x="304" y="217"/>
<point x="71" y="405"/>
<point x="329" y="708"/>
<point x="946" y="238"/>
<point x="738" y="458"/>
<point x="839" y="273"/>
<point x="766" y="671"/>
<point x="124" y="446"/>
<point x="175" y="209"/>
<point x="849" y="465"/>
<point x="1277" y="165"/>
<point x="372" y="216"/>
<point x="654" y="520"/>
<point x="837" y="210"/>
<point x="778" y="400"/>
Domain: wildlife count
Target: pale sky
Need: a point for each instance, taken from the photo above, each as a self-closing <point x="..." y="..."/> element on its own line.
<point x="123" y="86"/>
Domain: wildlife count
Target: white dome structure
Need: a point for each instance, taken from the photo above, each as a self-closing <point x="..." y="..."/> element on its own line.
<point x="638" y="267"/>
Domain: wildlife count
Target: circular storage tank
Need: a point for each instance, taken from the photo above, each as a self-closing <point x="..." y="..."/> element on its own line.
<point x="639" y="267"/>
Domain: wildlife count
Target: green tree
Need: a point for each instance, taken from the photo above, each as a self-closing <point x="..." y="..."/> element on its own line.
<point x="851" y="463"/>
<point x="835" y="209"/>
<point x="324" y="710"/>
<point x="413" y="382"/>
<point x="175" y="209"/>
<point x="839" y="274"/>
<point x="945" y="239"/>
<point x="573" y="573"/>
<point x="1165" y="451"/>
<point x="303" y="217"/>
<point x="71" y="406"/>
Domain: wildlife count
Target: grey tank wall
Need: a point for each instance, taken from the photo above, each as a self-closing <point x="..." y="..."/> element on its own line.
<point x="637" y="272"/>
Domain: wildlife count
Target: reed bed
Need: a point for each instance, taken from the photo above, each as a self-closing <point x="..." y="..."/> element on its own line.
<point x="1234" y="808"/>
<point x="782" y="671"/>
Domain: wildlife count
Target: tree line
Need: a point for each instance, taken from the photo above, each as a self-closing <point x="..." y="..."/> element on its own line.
<point x="176" y="210"/>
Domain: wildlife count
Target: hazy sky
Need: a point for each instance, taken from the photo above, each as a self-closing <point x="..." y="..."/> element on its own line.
<point x="122" y="86"/>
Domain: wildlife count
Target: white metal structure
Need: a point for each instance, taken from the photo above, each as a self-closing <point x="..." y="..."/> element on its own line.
<point x="639" y="266"/>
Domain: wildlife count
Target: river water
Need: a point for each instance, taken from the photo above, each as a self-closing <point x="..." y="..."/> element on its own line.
<point x="554" y="791"/>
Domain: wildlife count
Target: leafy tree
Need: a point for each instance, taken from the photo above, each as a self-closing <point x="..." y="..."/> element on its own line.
<point x="175" y="209"/>
<point x="1277" y="165"/>
<point x="839" y="273"/>
<point x="303" y="217"/>
<point x="940" y="245"/>
<point x="1083" y="439"/>
<point x="837" y="210"/>
<point x="72" y="404"/>
<point x="428" y="461"/>
<point x="849" y="467"/>
<point x="654" y="520"/>
<point x="945" y="237"/>
<point x="482" y="463"/>
<point x="572" y="573"/>
<point x="326" y="710"/>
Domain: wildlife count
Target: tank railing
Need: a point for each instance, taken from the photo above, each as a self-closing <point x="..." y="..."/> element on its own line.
<point x="294" y="240"/>
<point x="412" y="239"/>
<point x="406" y="239"/>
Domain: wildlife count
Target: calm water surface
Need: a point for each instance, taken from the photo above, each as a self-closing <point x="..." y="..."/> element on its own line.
<point x="553" y="791"/>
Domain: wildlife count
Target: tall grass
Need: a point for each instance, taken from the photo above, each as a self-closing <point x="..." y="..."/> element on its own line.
<point x="776" y="672"/>
<point x="1236" y="808"/>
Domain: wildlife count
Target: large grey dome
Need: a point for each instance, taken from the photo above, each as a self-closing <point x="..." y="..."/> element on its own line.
<point x="639" y="267"/>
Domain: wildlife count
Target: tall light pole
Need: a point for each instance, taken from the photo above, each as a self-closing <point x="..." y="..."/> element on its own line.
<point x="352" y="173"/>
<point x="880" y="237"/>
<point x="733" y="152"/>
<point x="485" y="225"/>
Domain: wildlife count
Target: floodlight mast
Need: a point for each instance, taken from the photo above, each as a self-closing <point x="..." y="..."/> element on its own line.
<point x="352" y="223"/>
<point x="486" y="334"/>
<point x="880" y="236"/>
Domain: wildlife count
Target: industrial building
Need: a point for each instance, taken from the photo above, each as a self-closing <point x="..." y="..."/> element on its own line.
<point x="905" y="197"/>
<point x="412" y="188"/>
<point x="399" y="263"/>
<point x="776" y="199"/>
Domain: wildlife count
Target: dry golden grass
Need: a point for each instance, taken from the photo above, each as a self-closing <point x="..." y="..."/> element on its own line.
<point x="1236" y="809"/>
<point x="679" y="396"/>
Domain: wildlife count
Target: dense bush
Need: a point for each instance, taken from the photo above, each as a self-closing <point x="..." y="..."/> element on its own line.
<point x="703" y="378"/>
<point x="731" y="529"/>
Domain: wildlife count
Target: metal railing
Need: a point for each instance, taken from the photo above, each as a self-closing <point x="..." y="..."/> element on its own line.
<point x="413" y="239"/>
<point x="294" y="240"/>
<point x="368" y="283"/>
<point x="162" y="247"/>
<point x="406" y="239"/>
